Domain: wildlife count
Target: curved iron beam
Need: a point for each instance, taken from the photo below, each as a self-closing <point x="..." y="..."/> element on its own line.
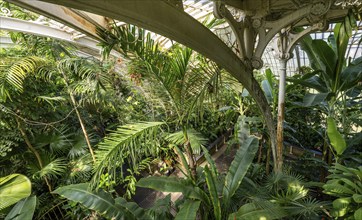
<point x="85" y="22"/>
<point x="85" y="44"/>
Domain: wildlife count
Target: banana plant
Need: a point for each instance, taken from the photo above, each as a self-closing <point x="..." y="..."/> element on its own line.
<point x="111" y="208"/>
<point x="334" y="77"/>
<point x="16" y="188"/>
<point x="13" y="188"/>
<point x="23" y="210"/>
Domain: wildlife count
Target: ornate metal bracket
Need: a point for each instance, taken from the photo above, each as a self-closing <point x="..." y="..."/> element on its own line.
<point x="253" y="33"/>
<point x="287" y="40"/>
<point x="5" y="12"/>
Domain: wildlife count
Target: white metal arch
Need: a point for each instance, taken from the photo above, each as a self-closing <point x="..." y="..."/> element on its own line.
<point x="84" y="22"/>
<point x="85" y="44"/>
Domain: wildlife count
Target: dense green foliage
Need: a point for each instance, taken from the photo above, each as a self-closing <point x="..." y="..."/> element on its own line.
<point x="79" y="136"/>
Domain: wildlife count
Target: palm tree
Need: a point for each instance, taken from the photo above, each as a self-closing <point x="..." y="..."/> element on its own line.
<point x="177" y="76"/>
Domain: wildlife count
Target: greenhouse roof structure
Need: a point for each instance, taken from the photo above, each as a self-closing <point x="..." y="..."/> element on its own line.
<point x="74" y="22"/>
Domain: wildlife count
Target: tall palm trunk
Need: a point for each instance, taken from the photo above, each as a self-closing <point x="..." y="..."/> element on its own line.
<point x="74" y="103"/>
<point x="33" y="150"/>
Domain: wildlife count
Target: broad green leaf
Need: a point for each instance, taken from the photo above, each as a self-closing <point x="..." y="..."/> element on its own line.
<point x="251" y="212"/>
<point x="314" y="99"/>
<point x="306" y="45"/>
<point x="100" y="201"/>
<point x="341" y="206"/>
<point x="211" y="182"/>
<point x="165" y="184"/>
<point x="351" y="75"/>
<point x="336" y="139"/>
<point x="342" y="32"/>
<point x="188" y="210"/>
<point x="358" y="214"/>
<point x="23" y="210"/>
<point x="315" y="82"/>
<point x="357" y="198"/>
<point x="342" y="203"/>
<point x="326" y="56"/>
<point x="13" y="188"/>
<point x="334" y="188"/>
<point x="268" y="91"/>
<point x="210" y="161"/>
<point x="173" y="184"/>
<point x="137" y="211"/>
<point x="238" y="168"/>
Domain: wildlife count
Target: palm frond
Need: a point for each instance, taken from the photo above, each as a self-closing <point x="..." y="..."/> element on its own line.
<point x="79" y="146"/>
<point x="194" y="137"/>
<point x="131" y="41"/>
<point x="52" y="168"/>
<point x="305" y="208"/>
<point x="129" y="143"/>
<point x="81" y="170"/>
<point x="57" y="143"/>
<point x="13" y="77"/>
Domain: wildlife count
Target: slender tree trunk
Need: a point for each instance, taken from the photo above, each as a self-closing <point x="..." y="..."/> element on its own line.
<point x="281" y="114"/>
<point x="260" y="154"/>
<point x="263" y="105"/>
<point x="267" y="167"/>
<point x="74" y="102"/>
<point x="86" y="136"/>
<point x="33" y="150"/>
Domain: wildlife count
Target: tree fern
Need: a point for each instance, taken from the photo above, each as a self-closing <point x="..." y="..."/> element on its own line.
<point x="129" y="143"/>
